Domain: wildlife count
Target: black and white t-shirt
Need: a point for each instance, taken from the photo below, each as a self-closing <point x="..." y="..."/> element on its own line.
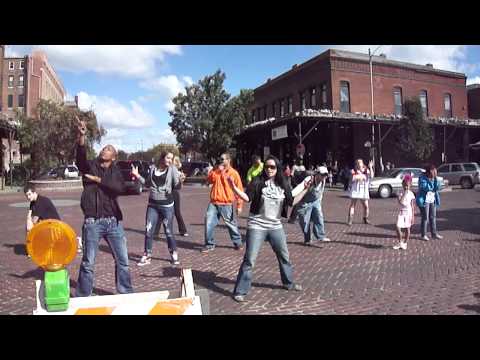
<point x="270" y="212"/>
<point x="44" y="209"/>
<point x="159" y="178"/>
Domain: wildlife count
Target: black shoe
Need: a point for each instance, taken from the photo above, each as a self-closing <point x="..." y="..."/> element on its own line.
<point x="207" y="249"/>
<point x="366" y="221"/>
<point x="307" y="243"/>
<point x="238" y="247"/>
<point x="293" y="287"/>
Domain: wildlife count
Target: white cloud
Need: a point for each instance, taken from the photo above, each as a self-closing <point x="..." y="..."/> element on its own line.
<point x="137" y="61"/>
<point x="443" y="57"/>
<point x="167" y="86"/>
<point x="474" y="80"/>
<point x="110" y="113"/>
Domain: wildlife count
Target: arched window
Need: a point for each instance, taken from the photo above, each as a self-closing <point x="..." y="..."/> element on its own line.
<point x="344" y="96"/>
<point x="313" y="98"/>
<point x="282" y="107"/>
<point x="447" y="100"/>
<point x="303" y="101"/>
<point x="397" y="100"/>
<point x="290" y="105"/>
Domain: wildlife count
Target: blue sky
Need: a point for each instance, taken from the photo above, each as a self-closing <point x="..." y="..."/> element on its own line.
<point x="130" y="87"/>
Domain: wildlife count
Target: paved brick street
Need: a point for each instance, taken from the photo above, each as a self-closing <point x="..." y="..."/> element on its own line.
<point x="357" y="273"/>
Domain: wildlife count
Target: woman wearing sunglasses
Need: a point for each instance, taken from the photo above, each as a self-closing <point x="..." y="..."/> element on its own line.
<point x="270" y="196"/>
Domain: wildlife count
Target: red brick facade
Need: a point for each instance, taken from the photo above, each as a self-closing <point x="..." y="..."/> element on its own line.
<point x="474" y="101"/>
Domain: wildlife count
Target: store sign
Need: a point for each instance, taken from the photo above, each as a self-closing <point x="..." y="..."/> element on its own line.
<point x="279" y="132"/>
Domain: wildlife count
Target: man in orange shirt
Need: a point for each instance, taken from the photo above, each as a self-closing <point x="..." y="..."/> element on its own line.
<point x="222" y="198"/>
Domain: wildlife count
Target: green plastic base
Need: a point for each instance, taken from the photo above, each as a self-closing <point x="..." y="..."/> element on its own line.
<point x="57" y="290"/>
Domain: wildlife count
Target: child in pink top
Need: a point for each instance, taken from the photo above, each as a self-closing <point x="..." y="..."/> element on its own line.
<point x="406" y="199"/>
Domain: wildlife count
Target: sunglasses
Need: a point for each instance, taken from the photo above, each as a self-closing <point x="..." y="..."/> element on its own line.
<point x="272" y="167"/>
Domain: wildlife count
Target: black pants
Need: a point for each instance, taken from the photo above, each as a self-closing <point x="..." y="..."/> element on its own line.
<point x="182" y="229"/>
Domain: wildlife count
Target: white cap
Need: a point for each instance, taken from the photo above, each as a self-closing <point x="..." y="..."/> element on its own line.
<point x="323" y="170"/>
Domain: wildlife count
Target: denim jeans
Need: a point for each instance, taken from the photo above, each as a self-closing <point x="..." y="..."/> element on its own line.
<point x="255" y="239"/>
<point x="112" y="231"/>
<point x="311" y="212"/>
<point x="214" y="212"/>
<point x="154" y="217"/>
<point x="429" y="215"/>
<point x="182" y="229"/>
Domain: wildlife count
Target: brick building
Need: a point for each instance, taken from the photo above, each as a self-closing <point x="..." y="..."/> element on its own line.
<point x="23" y="82"/>
<point x="473" y="93"/>
<point x="326" y="104"/>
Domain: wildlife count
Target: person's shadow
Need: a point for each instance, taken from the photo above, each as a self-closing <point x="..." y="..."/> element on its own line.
<point x="18" y="249"/>
<point x="475" y="308"/>
<point x="209" y="280"/>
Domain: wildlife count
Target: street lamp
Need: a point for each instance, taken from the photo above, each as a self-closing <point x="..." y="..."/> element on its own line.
<point x="370" y="56"/>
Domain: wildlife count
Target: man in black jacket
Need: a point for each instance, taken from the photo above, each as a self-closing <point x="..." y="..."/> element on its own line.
<point x="102" y="183"/>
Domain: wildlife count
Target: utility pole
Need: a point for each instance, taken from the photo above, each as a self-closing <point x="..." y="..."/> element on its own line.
<point x="372" y="110"/>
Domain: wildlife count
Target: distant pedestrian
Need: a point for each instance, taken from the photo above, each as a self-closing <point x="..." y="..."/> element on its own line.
<point x="288" y="175"/>
<point x="359" y="189"/>
<point x="310" y="208"/>
<point x="256" y="168"/>
<point x="428" y="199"/>
<point x="345" y="176"/>
<point x="406" y="199"/>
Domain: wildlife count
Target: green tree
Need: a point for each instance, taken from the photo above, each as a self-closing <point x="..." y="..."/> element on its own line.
<point x="50" y="137"/>
<point x="154" y="152"/>
<point x="414" y="134"/>
<point x="205" y="120"/>
<point x="122" y="155"/>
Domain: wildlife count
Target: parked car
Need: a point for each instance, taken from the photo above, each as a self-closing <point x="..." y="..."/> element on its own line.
<point x="195" y="168"/>
<point x="66" y="172"/>
<point x="467" y="175"/>
<point x="391" y="181"/>
<point x="131" y="183"/>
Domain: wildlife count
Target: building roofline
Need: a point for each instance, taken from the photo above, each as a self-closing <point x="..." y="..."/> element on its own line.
<point x="473" y="87"/>
<point x="350" y="55"/>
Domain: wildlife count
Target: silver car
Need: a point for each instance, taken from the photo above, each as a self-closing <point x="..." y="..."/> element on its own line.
<point x="391" y="181"/>
<point x="465" y="174"/>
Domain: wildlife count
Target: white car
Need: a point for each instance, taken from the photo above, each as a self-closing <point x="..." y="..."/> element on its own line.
<point x="391" y="182"/>
<point x="68" y="172"/>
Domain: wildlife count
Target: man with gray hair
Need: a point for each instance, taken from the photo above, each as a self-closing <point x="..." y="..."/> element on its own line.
<point x="102" y="183"/>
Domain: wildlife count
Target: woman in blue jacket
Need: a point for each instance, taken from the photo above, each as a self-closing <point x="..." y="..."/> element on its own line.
<point x="428" y="200"/>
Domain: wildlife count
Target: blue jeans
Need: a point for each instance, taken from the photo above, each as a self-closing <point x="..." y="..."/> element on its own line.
<point x="214" y="212"/>
<point x="311" y="213"/>
<point x="255" y="239"/>
<point x="429" y="215"/>
<point x="156" y="215"/>
<point x="112" y="231"/>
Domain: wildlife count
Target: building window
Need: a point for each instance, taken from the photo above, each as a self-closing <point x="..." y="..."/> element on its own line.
<point x="274" y="109"/>
<point x="20" y="80"/>
<point x="20" y="100"/>
<point x="282" y="107"/>
<point x="22" y="65"/>
<point x="254" y="118"/>
<point x="10" y="101"/>
<point x="324" y="96"/>
<point x="265" y="112"/>
<point x="344" y="96"/>
<point x="10" y="81"/>
<point x="11" y="65"/>
<point x="397" y="100"/>
<point x="303" y="101"/>
<point x="313" y="98"/>
<point x="290" y="105"/>
<point x="424" y="102"/>
<point x="448" y="105"/>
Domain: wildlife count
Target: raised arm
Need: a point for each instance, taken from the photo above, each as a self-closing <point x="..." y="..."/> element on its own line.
<point x="81" y="155"/>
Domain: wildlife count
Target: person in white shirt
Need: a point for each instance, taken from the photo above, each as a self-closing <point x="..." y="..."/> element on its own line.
<point x="359" y="189"/>
<point x="406" y="199"/>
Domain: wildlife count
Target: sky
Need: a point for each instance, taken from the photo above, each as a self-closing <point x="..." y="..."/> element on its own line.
<point x="130" y="87"/>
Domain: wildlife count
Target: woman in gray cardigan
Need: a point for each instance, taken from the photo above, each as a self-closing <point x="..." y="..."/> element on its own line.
<point x="163" y="179"/>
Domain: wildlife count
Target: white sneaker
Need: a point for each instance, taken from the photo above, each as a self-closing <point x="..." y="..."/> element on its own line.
<point x="145" y="260"/>
<point x="397" y="246"/>
<point x="175" y="258"/>
<point x="326" y="239"/>
<point x="425" y="238"/>
<point x="438" y="236"/>
<point x="403" y="245"/>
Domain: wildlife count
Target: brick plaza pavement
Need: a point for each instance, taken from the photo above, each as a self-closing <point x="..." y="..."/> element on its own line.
<point x="357" y="273"/>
